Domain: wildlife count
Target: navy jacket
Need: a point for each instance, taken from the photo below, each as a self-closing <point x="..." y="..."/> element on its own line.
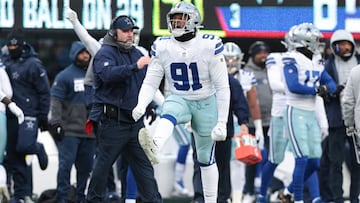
<point x="238" y="106"/>
<point x="31" y="89"/>
<point x="117" y="80"/>
<point x="333" y="107"/>
<point x="68" y="98"/>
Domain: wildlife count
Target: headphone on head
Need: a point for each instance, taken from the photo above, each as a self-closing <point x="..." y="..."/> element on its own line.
<point x="112" y="30"/>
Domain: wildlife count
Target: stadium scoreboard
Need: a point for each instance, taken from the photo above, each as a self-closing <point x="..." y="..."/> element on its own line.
<point x="225" y="18"/>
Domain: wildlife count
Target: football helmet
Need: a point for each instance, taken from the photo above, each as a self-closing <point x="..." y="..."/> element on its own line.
<point x="308" y="36"/>
<point x="191" y="19"/>
<point x="233" y="57"/>
<point x="289" y="39"/>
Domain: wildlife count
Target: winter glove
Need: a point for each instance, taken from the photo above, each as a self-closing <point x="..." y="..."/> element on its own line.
<point x="338" y="90"/>
<point x="218" y="133"/>
<point x="57" y="132"/>
<point x="151" y="112"/>
<point x="138" y="112"/>
<point x="16" y="111"/>
<point x="43" y="125"/>
<point x="323" y="91"/>
<point x="89" y="125"/>
<point x="350" y="131"/>
<point x="70" y="14"/>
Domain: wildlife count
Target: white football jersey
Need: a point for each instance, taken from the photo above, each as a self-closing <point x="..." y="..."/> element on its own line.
<point x="193" y="69"/>
<point x="275" y="70"/>
<point x="308" y="74"/>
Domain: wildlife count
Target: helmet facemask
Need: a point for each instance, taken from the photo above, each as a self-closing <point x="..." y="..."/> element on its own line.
<point x="183" y="18"/>
<point x="233" y="57"/>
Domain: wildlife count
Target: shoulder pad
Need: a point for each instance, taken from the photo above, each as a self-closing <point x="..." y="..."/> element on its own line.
<point x="212" y="42"/>
<point x="158" y="44"/>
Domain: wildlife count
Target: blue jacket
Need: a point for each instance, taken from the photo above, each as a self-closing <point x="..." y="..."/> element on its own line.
<point x="31" y="89"/>
<point x="238" y="106"/>
<point x="117" y="80"/>
<point x="333" y="107"/>
<point x="68" y="98"/>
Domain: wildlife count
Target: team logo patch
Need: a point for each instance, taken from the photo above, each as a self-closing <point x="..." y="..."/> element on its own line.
<point x="290" y="70"/>
<point x="106" y="63"/>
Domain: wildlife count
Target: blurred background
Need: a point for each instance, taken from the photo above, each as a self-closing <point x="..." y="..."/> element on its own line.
<point x="241" y="21"/>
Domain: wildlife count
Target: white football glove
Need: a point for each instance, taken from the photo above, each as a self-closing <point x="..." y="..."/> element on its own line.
<point x="70" y="14"/>
<point x="16" y="111"/>
<point x="259" y="134"/>
<point x="218" y="133"/>
<point x="138" y="112"/>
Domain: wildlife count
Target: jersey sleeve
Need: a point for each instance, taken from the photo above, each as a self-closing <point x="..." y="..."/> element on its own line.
<point x="274" y="71"/>
<point x="219" y="78"/>
<point x="291" y="76"/>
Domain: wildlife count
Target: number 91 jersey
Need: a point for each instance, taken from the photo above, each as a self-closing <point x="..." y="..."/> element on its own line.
<point x="194" y="69"/>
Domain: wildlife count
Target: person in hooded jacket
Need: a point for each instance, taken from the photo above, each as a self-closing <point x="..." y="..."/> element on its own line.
<point x="119" y="69"/>
<point x="69" y="112"/>
<point x="31" y="92"/>
<point x="344" y="57"/>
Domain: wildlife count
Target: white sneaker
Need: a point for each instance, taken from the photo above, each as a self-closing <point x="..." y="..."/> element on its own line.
<point x="179" y="189"/>
<point x="148" y="145"/>
<point x="248" y="198"/>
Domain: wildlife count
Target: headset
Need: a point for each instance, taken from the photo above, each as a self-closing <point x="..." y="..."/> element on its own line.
<point x="112" y="31"/>
<point x="337" y="49"/>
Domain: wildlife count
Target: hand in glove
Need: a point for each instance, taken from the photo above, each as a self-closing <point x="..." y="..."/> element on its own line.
<point x="338" y="90"/>
<point x="138" y="112"/>
<point x="57" y="132"/>
<point x="151" y="112"/>
<point x="16" y="111"/>
<point x="259" y="134"/>
<point x="350" y="131"/>
<point x="70" y="14"/>
<point x="323" y="92"/>
<point x="89" y="126"/>
<point x="218" y="133"/>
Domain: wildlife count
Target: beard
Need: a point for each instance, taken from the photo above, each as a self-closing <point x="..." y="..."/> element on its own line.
<point x="15" y="53"/>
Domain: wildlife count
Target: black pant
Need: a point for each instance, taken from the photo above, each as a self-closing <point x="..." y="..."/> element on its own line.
<point x="222" y="156"/>
<point x="330" y="173"/>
